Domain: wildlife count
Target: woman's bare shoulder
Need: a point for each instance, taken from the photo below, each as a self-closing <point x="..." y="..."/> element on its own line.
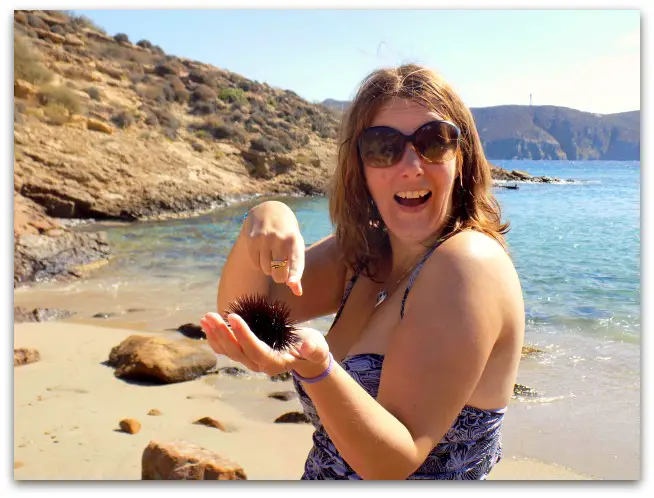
<point x="473" y="245"/>
<point x="473" y="262"/>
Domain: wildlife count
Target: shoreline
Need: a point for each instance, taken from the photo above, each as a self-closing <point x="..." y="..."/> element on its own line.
<point x="66" y="416"/>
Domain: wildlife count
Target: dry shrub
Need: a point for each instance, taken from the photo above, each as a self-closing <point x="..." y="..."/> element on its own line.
<point x="56" y="114"/>
<point x="60" y="95"/>
<point x="123" y="119"/>
<point x="220" y="130"/>
<point x="27" y="65"/>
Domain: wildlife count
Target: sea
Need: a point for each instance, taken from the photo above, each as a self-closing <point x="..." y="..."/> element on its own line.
<point x="576" y="247"/>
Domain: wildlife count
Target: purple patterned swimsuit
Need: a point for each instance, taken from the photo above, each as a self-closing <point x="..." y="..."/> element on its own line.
<point x="469" y="450"/>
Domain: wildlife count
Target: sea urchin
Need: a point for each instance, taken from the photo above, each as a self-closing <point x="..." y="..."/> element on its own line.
<point x="268" y="320"/>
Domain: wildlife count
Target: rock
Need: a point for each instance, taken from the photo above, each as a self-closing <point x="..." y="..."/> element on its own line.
<point x="292" y="418"/>
<point x="24" y="89"/>
<point x="283" y="395"/>
<point x="95" y="125"/>
<point x="281" y="377"/>
<point x="49" y="35"/>
<point x="103" y="315"/>
<point x="160" y="360"/>
<point x="73" y="40"/>
<point x="182" y="460"/>
<point x="52" y="21"/>
<point x="23" y="356"/>
<point x="233" y="371"/>
<point x="211" y="422"/>
<point x="521" y="174"/>
<point x="39" y="257"/>
<point x="130" y="426"/>
<point x="192" y="331"/>
<point x="110" y="71"/>
<point x="154" y="412"/>
<point x="521" y="391"/>
<point x="22" y="315"/>
<point x="96" y="34"/>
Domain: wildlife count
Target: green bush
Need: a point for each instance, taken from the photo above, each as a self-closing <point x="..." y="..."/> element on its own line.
<point x="27" y="65"/>
<point x="202" y="135"/>
<point x="232" y="95"/>
<point x="121" y="37"/>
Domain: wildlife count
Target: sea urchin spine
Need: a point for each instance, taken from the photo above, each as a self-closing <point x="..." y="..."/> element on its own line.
<point x="268" y="320"/>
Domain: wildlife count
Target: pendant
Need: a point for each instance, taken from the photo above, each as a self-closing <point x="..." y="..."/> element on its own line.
<point x="381" y="297"/>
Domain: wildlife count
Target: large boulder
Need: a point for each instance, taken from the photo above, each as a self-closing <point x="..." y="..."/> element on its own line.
<point x="181" y="460"/>
<point x="156" y="359"/>
<point x="40" y="257"/>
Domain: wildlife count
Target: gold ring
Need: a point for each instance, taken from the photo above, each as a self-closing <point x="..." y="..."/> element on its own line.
<point x="277" y="264"/>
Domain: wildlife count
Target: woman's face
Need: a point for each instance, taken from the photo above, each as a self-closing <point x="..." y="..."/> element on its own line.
<point x="395" y="188"/>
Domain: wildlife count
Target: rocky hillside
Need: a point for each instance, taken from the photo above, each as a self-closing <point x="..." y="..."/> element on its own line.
<point x="551" y="132"/>
<point x="109" y="129"/>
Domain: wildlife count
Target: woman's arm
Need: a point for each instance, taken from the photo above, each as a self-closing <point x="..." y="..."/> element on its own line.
<point x="271" y="232"/>
<point x="431" y="368"/>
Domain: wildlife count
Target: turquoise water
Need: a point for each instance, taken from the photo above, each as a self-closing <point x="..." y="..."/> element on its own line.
<point x="576" y="246"/>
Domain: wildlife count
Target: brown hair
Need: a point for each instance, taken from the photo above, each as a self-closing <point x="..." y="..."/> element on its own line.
<point x="359" y="228"/>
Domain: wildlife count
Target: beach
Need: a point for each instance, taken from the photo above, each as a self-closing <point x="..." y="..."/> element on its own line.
<point x="68" y="405"/>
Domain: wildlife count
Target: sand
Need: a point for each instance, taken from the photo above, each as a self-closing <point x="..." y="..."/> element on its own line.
<point x="67" y="409"/>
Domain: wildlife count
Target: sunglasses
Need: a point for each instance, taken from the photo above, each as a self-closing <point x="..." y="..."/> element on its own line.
<point x="383" y="146"/>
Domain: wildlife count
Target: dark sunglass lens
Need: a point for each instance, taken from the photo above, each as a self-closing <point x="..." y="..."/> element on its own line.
<point x="437" y="141"/>
<point x="381" y="147"/>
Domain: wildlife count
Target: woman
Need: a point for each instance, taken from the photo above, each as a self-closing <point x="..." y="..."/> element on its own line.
<point x="414" y="376"/>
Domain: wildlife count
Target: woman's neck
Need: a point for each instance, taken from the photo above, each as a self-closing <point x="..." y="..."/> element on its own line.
<point x="406" y="254"/>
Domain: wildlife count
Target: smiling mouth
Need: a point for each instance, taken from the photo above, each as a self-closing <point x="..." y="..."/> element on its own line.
<point x="411" y="199"/>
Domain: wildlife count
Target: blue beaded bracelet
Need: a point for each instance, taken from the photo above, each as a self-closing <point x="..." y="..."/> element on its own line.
<point x="313" y="380"/>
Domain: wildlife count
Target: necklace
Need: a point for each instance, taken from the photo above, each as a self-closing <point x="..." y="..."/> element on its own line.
<point x="383" y="294"/>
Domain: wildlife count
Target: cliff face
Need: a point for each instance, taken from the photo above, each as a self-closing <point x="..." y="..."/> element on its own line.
<point x="551" y="132"/>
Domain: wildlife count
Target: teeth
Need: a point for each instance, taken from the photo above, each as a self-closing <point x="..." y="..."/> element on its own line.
<point x="412" y="194"/>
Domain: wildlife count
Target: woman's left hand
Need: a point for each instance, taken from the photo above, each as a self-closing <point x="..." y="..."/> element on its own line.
<point x="309" y="356"/>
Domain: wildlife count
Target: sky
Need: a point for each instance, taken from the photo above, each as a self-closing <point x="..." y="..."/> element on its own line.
<point x="583" y="59"/>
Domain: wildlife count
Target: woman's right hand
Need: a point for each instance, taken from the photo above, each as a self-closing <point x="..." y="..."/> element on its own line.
<point x="272" y="233"/>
